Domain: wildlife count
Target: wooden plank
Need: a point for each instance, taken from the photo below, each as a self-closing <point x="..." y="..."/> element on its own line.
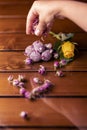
<point x="14" y="9"/>
<point x="6" y="25"/>
<point x="66" y="26"/>
<point x="15" y="61"/>
<point x="10" y="1"/>
<point x="20" y="24"/>
<point x="46" y="112"/>
<point x="21" y="41"/>
<point x="65" y="86"/>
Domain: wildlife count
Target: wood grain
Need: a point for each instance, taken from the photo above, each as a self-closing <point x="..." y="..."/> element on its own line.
<point x="63" y="86"/>
<point x="21" y="41"/>
<point x="57" y="112"/>
<point x="15" y="61"/>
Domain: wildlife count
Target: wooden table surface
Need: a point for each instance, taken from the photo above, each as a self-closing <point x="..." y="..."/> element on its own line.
<point x="65" y="107"/>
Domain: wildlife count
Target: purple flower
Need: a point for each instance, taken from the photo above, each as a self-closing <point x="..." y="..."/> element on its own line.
<point x="15" y="82"/>
<point x="28" y="50"/>
<point x="56" y="55"/>
<point x="21" y="84"/>
<point x="60" y="73"/>
<point x="35" y="56"/>
<point x="27" y="94"/>
<point x="22" y="91"/>
<point x="46" y="55"/>
<point x="37" y="80"/>
<point x="63" y="62"/>
<point x="47" y="84"/>
<point x="24" y="114"/>
<point x="42" y="70"/>
<point x="39" y="46"/>
<point x="56" y="65"/>
<point x="28" y="61"/>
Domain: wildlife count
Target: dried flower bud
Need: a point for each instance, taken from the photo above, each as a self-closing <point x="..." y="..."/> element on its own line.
<point x="15" y="82"/>
<point x="28" y="61"/>
<point x="37" y="80"/>
<point x="56" y="55"/>
<point x="27" y="94"/>
<point x="60" y="73"/>
<point x="56" y="65"/>
<point x="22" y="91"/>
<point x="42" y="70"/>
<point x="10" y="78"/>
<point x="24" y="114"/>
<point x="21" y="84"/>
<point x="63" y="62"/>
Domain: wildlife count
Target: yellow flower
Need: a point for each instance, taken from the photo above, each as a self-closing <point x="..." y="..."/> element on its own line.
<point x="68" y="49"/>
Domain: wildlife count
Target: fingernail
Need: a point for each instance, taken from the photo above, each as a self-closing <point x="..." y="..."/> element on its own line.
<point x="37" y="32"/>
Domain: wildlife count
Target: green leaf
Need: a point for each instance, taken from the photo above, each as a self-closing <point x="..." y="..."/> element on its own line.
<point x="57" y="45"/>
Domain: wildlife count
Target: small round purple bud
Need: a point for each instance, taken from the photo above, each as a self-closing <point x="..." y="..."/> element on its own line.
<point x="42" y="70"/>
<point x="56" y="65"/>
<point x="21" y="84"/>
<point x="28" y="61"/>
<point x="24" y="114"/>
<point x="22" y="91"/>
<point x="63" y="62"/>
<point x="27" y="94"/>
<point x="47" y="83"/>
<point x="56" y="55"/>
<point x="16" y="82"/>
<point x="60" y="73"/>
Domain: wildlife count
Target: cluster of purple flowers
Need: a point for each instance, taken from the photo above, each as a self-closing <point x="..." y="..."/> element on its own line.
<point x="39" y="51"/>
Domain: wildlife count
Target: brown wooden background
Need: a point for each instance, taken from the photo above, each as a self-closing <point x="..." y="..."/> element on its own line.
<point x="65" y="107"/>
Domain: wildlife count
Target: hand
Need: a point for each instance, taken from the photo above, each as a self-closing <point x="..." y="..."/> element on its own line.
<point x="44" y="12"/>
